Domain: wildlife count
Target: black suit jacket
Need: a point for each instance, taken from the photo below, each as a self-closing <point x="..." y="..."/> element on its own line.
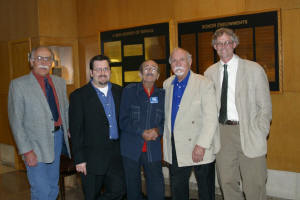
<point x="89" y="128"/>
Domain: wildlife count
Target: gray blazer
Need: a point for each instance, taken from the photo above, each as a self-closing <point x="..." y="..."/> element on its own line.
<point x="31" y="119"/>
<point x="253" y="104"/>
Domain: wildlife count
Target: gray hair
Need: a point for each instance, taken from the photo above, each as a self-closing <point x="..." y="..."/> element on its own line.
<point x="226" y="31"/>
<point x="32" y="53"/>
<point x="188" y="55"/>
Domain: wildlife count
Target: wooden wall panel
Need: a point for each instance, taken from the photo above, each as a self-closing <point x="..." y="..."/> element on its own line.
<point x="57" y="18"/>
<point x="18" y="56"/>
<point x="18" y="19"/>
<point x="94" y="16"/>
<point x="284" y="138"/>
<point x="291" y="49"/>
<point x="5" y="133"/>
<point x="4" y="68"/>
<point x="185" y="10"/>
<point x="88" y="47"/>
<point x="271" y="4"/>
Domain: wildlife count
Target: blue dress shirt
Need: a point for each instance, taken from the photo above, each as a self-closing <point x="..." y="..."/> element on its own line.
<point x="178" y="90"/>
<point x="109" y="108"/>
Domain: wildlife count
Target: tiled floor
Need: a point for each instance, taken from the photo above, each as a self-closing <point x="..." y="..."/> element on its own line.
<point x="14" y="186"/>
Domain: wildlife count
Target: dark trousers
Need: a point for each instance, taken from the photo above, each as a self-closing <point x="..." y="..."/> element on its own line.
<point x="153" y="175"/>
<point x="113" y="182"/>
<point x="205" y="176"/>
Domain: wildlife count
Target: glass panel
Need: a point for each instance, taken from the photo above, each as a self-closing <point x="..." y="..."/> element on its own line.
<point x="113" y="51"/>
<point x="63" y="64"/>
<point x="155" y="47"/>
<point x="133" y="50"/>
<point x="205" y="51"/>
<point x="116" y="75"/>
<point x="162" y="75"/>
<point x="188" y="42"/>
<point x="265" y="48"/>
<point x="245" y="48"/>
<point x="132" y="76"/>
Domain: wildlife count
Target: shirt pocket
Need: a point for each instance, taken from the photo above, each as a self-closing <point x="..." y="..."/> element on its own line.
<point x="135" y="113"/>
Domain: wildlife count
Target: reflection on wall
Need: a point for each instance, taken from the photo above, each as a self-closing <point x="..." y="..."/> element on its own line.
<point x="133" y="50"/>
<point x="155" y="47"/>
<point x="113" y="51"/>
<point x="63" y="65"/>
<point x="132" y="76"/>
<point x="128" y="48"/>
<point x="116" y="75"/>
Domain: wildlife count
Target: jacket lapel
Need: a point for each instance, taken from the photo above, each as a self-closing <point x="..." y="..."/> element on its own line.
<point x="94" y="100"/>
<point x="216" y="80"/>
<point x="239" y="78"/>
<point x="168" y="101"/>
<point x="38" y="93"/>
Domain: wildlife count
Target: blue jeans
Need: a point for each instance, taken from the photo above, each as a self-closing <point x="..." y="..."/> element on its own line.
<point x="43" y="178"/>
<point x="153" y="175"/>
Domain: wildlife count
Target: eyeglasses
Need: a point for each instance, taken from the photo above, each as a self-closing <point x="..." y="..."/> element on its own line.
<point x="45" y="59"/>
<point x="224" y="44"/>
<point x="150" y="69"/>
<point x="106" y="69"/>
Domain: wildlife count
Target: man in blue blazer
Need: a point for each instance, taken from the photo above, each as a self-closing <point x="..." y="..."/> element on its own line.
<point x="141" y="123"/>
<point x="38" y="116"/>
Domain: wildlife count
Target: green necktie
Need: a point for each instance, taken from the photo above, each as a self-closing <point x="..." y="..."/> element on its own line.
<point x="223" y="110"/>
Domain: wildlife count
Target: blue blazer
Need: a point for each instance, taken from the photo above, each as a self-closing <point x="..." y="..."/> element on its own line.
<point x="138" y="113"/>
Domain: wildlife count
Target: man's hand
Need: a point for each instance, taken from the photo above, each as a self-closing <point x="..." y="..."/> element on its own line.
<point x="81" y="168"/>
<point x="150" y="134"/>
<point x="198" y="153"/>
<point x="30" y="159"/>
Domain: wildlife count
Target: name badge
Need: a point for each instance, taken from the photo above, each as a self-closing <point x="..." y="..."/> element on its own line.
<point x="153" y="99"/>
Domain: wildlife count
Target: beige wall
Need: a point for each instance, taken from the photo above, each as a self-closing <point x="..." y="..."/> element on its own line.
<point x="284" y="140"/>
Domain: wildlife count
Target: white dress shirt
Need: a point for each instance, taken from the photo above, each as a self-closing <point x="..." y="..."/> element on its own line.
<point x="232" y="66"/>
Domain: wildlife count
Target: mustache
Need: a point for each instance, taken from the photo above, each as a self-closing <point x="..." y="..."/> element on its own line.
<point x="102" y="76"/>
<point x="149" y="74"/>
<point x="179" y="68"/>
<point x="43" y="66"/>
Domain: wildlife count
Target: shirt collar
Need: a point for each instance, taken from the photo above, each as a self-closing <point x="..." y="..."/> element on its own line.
<point x="40" y="78"/>
<point x="184" y="81"/>
<point x="233" y="60"/>
<point x="108" y="84"/>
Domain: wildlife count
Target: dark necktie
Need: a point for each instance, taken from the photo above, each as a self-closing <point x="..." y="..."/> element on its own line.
<point x="51" y="99"/>
<point x="223" y="110"/>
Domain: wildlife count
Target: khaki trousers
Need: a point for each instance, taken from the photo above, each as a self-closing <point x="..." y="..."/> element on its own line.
<point x="233" y="168"/>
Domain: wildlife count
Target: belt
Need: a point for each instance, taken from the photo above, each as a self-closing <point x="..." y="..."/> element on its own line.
<point x="231" y="122"/>
<point x="56" y="128"/>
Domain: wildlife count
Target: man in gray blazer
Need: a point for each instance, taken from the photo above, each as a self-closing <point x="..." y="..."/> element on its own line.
<point x="245" y="113"/>
<point x="38" y="116"/>
<point x="190" y="139"/>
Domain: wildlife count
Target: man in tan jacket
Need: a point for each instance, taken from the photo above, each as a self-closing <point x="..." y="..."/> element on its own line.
<point x="244" y="102"/>
<point x="190" y="132"/>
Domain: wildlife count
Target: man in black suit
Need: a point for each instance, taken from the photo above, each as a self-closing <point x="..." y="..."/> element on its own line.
<point x="94" y="113"/>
